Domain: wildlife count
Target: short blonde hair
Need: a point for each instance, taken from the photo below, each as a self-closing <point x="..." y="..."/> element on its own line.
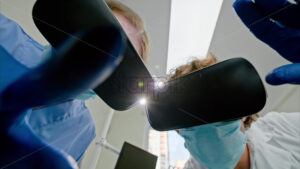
<point x="192" y="66"/>
<point x="136" y="20"/>
<point x="198" y="64"/>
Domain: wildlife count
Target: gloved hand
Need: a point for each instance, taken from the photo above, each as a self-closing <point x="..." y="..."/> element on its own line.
<point x="47" y="54"/>
<point x="64" y="75"/>
<point x="275" y="22"/>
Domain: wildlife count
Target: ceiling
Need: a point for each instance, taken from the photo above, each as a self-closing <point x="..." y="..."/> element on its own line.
<point x="232" y="39"/>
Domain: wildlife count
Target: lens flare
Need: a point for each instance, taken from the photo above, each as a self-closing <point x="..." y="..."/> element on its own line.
<point x="143" y="101"/>
<point x="159" y="84"/>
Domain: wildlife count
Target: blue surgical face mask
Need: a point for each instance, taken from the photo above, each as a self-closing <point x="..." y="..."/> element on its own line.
<point x="47" y="53"/>
<point x="217" y="145"/>
<point x="87" y="95"/>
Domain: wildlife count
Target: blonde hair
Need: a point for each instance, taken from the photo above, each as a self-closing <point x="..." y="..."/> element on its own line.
<point x="136" y="21"/>
<point x="198" y="64"/>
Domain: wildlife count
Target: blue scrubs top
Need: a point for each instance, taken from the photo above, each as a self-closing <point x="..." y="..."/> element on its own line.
<point x="66" y="126"/>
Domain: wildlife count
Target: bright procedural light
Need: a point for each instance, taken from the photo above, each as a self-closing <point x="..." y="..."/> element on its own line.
<point x="159" y="84"/>
<point x="143" y="101"/>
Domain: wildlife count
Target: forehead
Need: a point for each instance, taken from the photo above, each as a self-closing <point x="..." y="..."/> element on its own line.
<point x="131" y="30"/>
<point x="125" y="22"/>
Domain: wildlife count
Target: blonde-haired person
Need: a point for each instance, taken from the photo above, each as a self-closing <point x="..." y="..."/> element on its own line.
<point x="268" y="142"/>
<point x="53" y="123"/>
<point x="133" y="26"/>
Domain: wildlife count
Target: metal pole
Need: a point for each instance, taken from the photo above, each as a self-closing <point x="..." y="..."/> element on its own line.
<point x="109" y="147"/>
<point x="101" y="140"/>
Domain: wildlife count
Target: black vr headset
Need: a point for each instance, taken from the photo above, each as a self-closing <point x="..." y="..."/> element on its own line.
<point x="225" y="91"/>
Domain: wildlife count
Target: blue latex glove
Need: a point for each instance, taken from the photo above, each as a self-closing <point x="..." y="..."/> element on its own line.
<point x="47" y="53"/>
<point x="275" y="22"/>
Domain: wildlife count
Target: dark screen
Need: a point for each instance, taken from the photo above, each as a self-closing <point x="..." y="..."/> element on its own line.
<point x="132" y="157"/>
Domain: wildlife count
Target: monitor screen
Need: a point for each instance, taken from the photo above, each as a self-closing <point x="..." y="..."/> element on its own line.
<point x="132" y="157"/>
